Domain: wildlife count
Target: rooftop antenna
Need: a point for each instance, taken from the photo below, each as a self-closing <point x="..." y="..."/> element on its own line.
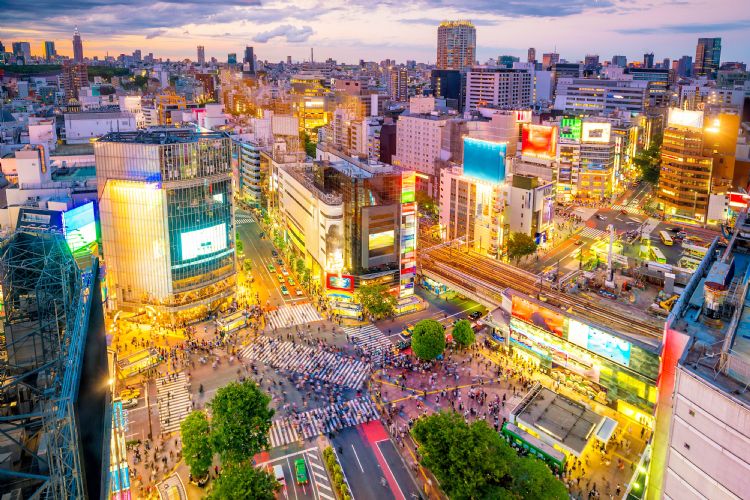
<point x="312" y="59"/>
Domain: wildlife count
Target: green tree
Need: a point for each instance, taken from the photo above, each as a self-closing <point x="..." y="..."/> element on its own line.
<point x="376" y="300"/>
<point x="240" y="421"/>
<point x="520" y="245"/>
<point x="243" y="481"/>
<point x="309" y="144"/>
<point x="196" y="445"/>
<point x="648" y="161"/>
<point x="532" y="479"/>
<point x="279" y="242"/>
<point x="427" y="204"/>
<point x="428" y="339"/>
<point x="247" y="265"/>
<point x="300" y="266"/>
<point x="463" y="333"/>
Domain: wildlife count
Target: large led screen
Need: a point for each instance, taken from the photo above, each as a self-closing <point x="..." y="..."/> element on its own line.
<point x="345" y="282"/>
<point x="685" y="118"/>
<point x="570" y="128"/>
<point x="203" y="241"/>
<point x="484" y="160"/>
<point x="596" y="132"/>
<point x="538" y="140"/>
<point x="539" y="316"/>
<point x="596" y="341"/>
<point x="79" y="226"/>
<point x="384" y="239"/>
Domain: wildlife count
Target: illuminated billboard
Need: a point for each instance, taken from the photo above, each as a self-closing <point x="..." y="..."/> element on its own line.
<point x="570" y="128"/>
<point x="541" y="317"/>
<point x="523" y="116"/>
<point x="484" y="160"/>
<point x="408" y="234"/>
<point x="344" y="283"/>
<point x="79" y="226"/>
<point x="380" y="240"/>
<point x="596" y="341"/>
<point x="685" y="118"/>
<point x="596" y="132"/>
<point x="203" y="241"/>
<point x="538" y="140"/>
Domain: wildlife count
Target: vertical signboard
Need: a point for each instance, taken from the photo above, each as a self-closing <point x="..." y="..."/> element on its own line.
<point x="408" y="239"/>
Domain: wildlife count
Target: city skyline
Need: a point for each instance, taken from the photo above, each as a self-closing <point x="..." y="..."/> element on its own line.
<point x="354" y="30"/>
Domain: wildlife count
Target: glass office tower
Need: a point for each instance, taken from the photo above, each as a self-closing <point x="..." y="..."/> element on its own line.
<point x="167" y="220"/>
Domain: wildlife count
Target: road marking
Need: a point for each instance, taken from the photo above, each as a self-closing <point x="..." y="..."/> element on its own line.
<point x="294" y="482"/>
<point x="357" y="457"/>
<point x="377" y="444"/>
<point x="267" y="462"/>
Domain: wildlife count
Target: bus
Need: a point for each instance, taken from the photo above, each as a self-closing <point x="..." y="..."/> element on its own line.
<point x="658" y="256"/>
<point x="521" y="439"/>
<point x="666" y="238"/>
<point x="138" y="362"/>
<point x="232" y="322"/>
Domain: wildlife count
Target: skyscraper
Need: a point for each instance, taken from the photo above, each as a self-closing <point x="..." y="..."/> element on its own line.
<point x="591" y="62"/>
<point x="49" y="51"/>
<point x="648" y="60"/>
<point x="23" y="50"/>
<point x="531" y="57"/>
<point x="201" y="55"/>
<point x="549" y="59"/>
<point x="397" y="84"/>
<point x="249" y="59"/>
<point x="232" y="58"/>
<point x="77" y="46"/>
<point x="707" y="57"/>
<point x="74" y="76"/>
<point x="620" y="61"/>
<point x="456" y="45"/>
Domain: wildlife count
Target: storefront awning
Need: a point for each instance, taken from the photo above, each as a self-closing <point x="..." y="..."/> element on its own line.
<point x="606" y="429"/>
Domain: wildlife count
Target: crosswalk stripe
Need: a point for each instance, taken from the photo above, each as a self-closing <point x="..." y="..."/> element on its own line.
<point x="243" y="219"/>
<point x="173" y="401"/>
<point x="369" y="337"/>
<point x="299" y="314"/>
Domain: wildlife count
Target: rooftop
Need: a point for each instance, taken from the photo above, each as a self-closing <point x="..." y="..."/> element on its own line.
<point x="162" y="136"/>
<point x="97" y="114"/>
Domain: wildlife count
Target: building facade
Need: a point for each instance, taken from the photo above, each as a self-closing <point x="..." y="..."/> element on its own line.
<point x="707" y="57"/>
<point x="456" y="45"/>
<point x="498" y="87"/>
<point x="77" y="46"/>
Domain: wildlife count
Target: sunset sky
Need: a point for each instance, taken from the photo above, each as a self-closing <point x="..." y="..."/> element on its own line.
<point x="348" y="30"/>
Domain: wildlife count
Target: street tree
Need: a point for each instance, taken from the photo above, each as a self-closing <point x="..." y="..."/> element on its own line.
<point x="300" y="266"/>
<point x="520" y="245"/>
<point x="244" y="482"/>
<point x="240" y="421"/>
<point x="463" y="333"/>
<point x="196" y="444"/>
<point x="376" y="300"/>
<point x="532" y="479"/>
<point x="648" y="161"/>
<point x="428" y="339"/>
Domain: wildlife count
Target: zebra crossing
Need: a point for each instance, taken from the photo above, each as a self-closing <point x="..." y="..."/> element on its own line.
<point x="322" y="483"/>
<point x="298" y="314"/>
<point x="173" y="400"/>
<point x="317" y="421"/>
<point x="314" y="362"/>
<point x="369" y="337"/>
<point x="629" y="209"/>
<point x="243" y="219"/>
<point x="593" y="233"/>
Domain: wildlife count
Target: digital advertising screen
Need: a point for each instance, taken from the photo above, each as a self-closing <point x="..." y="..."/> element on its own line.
<point x="408" y="187"/>
<point x="383" y="239"/>
<point x="203" y="241"/>
<point x="541" y="317"/>
<point x="79" y="226"/>
<point x="538" y="140"/>
<point x="570" y="128"/>
<point x="596" y="132"/>
<point x="344" y="282"/>
<point x="599" y="342"/>
<point x="484" y="160"/>
<point x="685" y="118"/>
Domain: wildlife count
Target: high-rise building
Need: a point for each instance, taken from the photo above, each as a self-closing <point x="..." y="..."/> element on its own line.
<point x="499" y="87"/>
<point x="707" y="57"/>
<point x="621" y="61"/>
<point x="456" y="45"/>
<point x="549" y="59"/>
<point x="73" y="78"/>
<point x="137" y="55"/>
<point x="77" y="46"/>
<point x="648" y="60"/>
<point x="591" y="62"/>
<point x="685" y="66"/>
<point x="665" y="63"/>
<point x="448" y="84"/>
<point x="22" y="49"/>
<point x="249" y="59"/>
<point x="49" y="51"/>
<point x="201" y="55"/>
<point x="167" y="220"/>
<point x="398" y="79"/>
<point x="531" y="55"/>
<point x="232" y="58"/>
<point x="289" y="60"/>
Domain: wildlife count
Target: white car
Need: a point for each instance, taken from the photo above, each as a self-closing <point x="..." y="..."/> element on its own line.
<point x="278" y="473"/>
<point x="284" y="271"/>
<point x="298" y="293"/>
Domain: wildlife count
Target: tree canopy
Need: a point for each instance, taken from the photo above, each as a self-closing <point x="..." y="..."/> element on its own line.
<point x="196" y="443"/>
<point x="376" y="300"/>
<point x="472" y="461"/>
<point x="463" y="333"/>
<point x="520" y="245"/>
<point x="243" y="481"/>
<point x="428" y="339"/>
<point x="240" y="421"/>
<point x="648" y="161"/>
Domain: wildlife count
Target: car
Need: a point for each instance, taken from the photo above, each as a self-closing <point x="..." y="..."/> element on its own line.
<point x="475" y="315"/>
<point x="271" y="268"/>
<point x="298" y="292"/>
<point x="579" y="242"/>
<point x="130" y="394"/>
<point x="284" y="271"/>
<point x="284" y="290"/>
<point x="675" y="229"/>
<point x="300" y="471"/>
<point x="601" y="217"/>
<point x="624" y="212"/>
<point x="262" y="235"/>
<point x="278" y="473"/>
<point x="402" y="345"/>
<point x="681" y="234"/>
<point x="291" y="281"/>
<point x="280" y="277"/>
<point x="407" y="331"/>
<point x="280" y="262"/>
<point x="274" y="252"/>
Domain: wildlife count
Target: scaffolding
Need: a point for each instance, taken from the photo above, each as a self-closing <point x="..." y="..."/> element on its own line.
<point x="46" y="299"/>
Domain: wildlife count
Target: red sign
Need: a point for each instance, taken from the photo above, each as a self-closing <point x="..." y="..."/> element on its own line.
<point x="539" y="316"/>
<point x="538" y="140"/>
<point x="738" y="200"/>
<point x="345" y="282"/>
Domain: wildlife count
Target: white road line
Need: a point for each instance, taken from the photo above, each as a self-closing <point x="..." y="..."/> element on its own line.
<point x="357" y="457"/>
<point x="377" y="443"/>
<point x="289" y="455"/>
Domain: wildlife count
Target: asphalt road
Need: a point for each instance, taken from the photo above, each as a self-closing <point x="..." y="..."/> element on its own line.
<point x="318" y="486"/>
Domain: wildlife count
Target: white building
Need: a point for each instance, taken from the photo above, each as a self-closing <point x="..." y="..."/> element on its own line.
<point x="419" y="142"/>
<point x="591" y="96"/>
<point x="80" y="128"/>
<point x="531" y="206"/>
<point x="499" y="87"/>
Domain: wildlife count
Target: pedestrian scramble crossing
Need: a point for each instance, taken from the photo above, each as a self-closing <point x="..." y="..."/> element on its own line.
<point x="173" y="399"/>
<point x="298" y="314"/>
<point x="593" y="233"/>
<point x="243" y="219"/>
<point x="369" y="337"/>
<point x="317" y="421"/>
<point x="312" y="361"/>
<point x="629" y="209"/>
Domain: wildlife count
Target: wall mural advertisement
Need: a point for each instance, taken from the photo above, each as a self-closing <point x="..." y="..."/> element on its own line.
<point x="541" y="317"/>
<point x="344" y="282"/>
<point x="538" y="140"/>
<point x="601" y="343"/>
